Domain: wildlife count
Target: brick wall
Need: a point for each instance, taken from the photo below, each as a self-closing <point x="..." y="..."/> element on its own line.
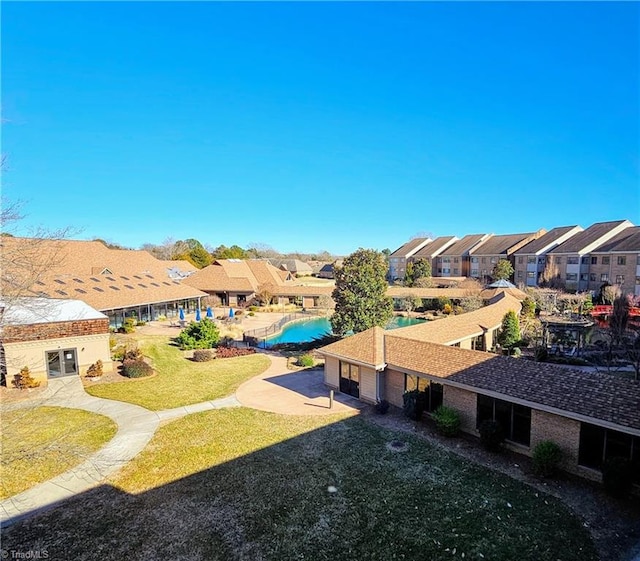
<point x="56" y="330"/>
<point x="564" y="432"/>
<point x="394" y="387"/>
<point x="464" y="402"/>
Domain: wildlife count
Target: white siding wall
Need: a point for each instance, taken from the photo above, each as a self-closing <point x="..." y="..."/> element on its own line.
<point x="332" y="372"/>
<point x="367" y="384"/>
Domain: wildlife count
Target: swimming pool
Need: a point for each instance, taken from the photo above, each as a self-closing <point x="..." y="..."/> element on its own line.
<point x="309" y="329"/>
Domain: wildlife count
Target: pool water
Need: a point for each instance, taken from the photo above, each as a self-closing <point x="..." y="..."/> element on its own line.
<point x="307" y="330"/>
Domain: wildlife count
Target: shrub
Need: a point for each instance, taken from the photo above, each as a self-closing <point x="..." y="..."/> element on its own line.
<point x="414" y="402"/>
<point x="306" y="361"/>
<point x="95" y="370"/>
<point x="491" y="435"/>
<point x="447" y="420"/>
<point x="129" y="325"/>
<point x="516" y="352"/>
<point x="23" y="380"/>
<point x="447" y="309"/>
<point x="541" y="354"/>
<point x="133" y="353"/>
<point x="546" y="458"/>
<point x="232" y="352"/>
<point x="382" y="407"/>
<point x="118" y="353"/>
<point x="253" y="308"/>
<point x="199" y="335"/>
<point x="617" y="476"/>
<point x="202" y="355"/>
<point x="251" y="313"/>
<point x="136" y="368"/>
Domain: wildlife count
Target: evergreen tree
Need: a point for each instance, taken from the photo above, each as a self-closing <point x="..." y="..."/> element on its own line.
<point x="360" y="293"/>
<point x="502" y="271"/>
<point x="510" y="331"/>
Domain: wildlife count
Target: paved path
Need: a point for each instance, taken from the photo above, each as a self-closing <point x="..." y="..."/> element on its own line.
<point x="292" y="393"/>
<point x="278" y="390"/>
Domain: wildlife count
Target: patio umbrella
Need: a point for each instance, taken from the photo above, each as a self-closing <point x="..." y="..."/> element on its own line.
<point x="181" y="314"/>
<point x="209" y="312"/>
<point x="231" y="314"/>
<point x="198" y="314"/>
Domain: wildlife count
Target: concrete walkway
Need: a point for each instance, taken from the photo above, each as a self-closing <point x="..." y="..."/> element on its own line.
<point x="278" y="390"/>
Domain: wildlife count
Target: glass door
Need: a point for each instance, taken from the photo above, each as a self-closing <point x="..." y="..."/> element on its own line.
<point x="62" y="363"/>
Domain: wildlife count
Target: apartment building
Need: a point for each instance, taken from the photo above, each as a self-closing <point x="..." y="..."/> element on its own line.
<point x="484" y="256"/>
<point x="398" y="259"/>
<point x="617" y="262"/>
<point x="573" y="259"/>
<point x="454" y="261"/>
<point x="530" y="260"/>
<point x="433" y="249"/>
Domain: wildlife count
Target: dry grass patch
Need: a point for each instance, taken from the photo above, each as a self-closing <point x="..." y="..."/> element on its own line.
<point x="180" y="381"/>
<point x="40" y="443"/>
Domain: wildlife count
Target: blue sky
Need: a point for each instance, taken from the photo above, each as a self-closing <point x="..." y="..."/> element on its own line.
<point x="311" y="126"/>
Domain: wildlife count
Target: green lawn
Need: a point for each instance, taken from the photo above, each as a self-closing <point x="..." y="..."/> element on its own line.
<point x="40" y="443"/>
<point x="180" y="381"/>
<point x="244" y="484"/>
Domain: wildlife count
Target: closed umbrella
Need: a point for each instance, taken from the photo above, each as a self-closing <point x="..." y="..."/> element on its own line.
<point x="198" y="314"/>
<point x="231" y="314"/>
<point x="181" y="314"/>
<point x="209" y="312"/>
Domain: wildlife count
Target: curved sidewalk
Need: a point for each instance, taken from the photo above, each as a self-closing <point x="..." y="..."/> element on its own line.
<point x="277" y="390"/>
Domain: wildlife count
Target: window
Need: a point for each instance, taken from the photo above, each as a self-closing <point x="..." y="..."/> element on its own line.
<point x="474" y="259"/>
<point x="584" y="260"/>
<point x="446" y="271"/>
<point x="521" y="259"/>
<point x="637" y="280"/>
<point x="531" y="260"/>
<point x="558" y="260"/>
<point x="519" y="274"/>
<point x="494" y="260"/>
<point x="619" y="279"/>
<point x="484" y="259"/>
<point x="592" y="277"/>
<point x="606" y="260"/>
<point x="594" y="260"/>
<point x="446" y="259"/>
<point x="604" y="277"/>
<point x="456" y="260"/>
<point x="541" y="260"/>
<point x="530" y="274"/>
<point x="433" y="390"/>
<point x="478" y="343"/>
<point x="638" y="260"/>
<point x="474" y="273"/>
<point x="455" y="272"/>
<point x="514" y="419"/>
<point x="598" y="444"/>
<point x="572" y="276"/>
<point x="572" y="260"/>
<point x="584" y="276"/>
<point x="622" y="260"/>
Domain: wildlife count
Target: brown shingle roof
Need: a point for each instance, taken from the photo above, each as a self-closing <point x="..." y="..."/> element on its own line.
<point x="627" y="241"/>
<point x="504" y="244"/>
<point x="433" y="248"/>
<point x="452" y="329"/>
<point x="366" y="348"/>
<point x="408" y="248"/>
<point x="595" y="395"/>
<point x="582" y="240"/>
<point x="462" y="246"/>
<point x="544" y="241"/>
<point x="133" y="278"/>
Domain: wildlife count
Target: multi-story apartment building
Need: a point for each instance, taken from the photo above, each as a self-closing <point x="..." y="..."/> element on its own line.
<point x="455" y="261"/>
<point x="573" y="257"/>
<point x="617" y="262"/>
<point x="485" y="256"/>
<point x="530" y="260"/>
<point x="433" y="249"/>
<point x="398" y="259"/>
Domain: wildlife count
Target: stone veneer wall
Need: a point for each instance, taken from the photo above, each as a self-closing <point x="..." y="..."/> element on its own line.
<point x="55" y="330"/>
